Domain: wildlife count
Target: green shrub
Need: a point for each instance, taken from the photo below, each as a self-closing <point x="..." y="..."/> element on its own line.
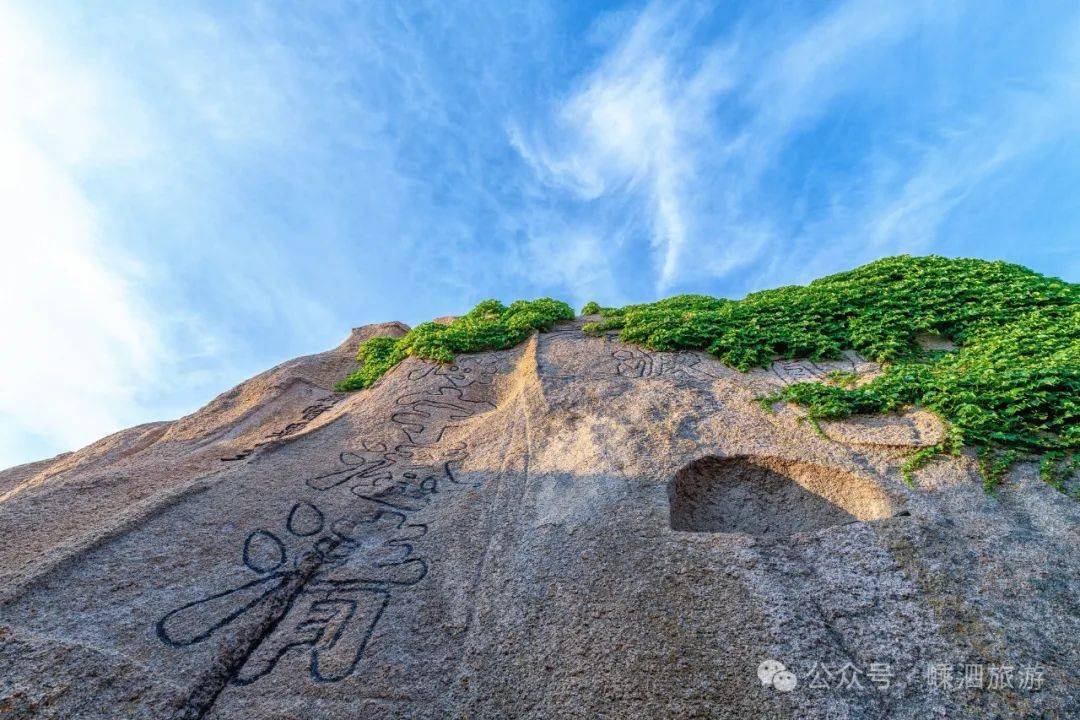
<point x="591" y="308"/>
<point x="1012" y="385"/>
<point x="488" y="326"/>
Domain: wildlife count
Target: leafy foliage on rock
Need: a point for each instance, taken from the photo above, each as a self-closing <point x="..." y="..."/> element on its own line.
<point x="1058" y="468"/>
<point x="488" y="326"/>
<point x="1013" y="383"/>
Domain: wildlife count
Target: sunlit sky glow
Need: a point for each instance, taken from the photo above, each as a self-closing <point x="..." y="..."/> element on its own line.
<point x="192" y="192"/>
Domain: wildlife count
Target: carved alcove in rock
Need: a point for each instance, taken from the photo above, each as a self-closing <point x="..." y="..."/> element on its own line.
<point x="770" y="497"/>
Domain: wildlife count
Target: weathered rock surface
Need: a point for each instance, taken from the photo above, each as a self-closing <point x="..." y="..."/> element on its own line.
<point x="571" y="528"/>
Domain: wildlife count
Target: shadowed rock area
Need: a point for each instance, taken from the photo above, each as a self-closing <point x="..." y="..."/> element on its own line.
<point x="760" y="496"/>
<point x="573" y="528"/>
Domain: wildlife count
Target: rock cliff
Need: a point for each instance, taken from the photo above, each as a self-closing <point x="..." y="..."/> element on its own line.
<point x="574" y="527"/>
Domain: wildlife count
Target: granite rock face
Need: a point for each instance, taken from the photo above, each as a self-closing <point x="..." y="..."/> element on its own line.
<point x="574" y="528"/>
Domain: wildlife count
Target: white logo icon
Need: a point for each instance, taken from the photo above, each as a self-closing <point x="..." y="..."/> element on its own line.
<point x="773" y="672"/>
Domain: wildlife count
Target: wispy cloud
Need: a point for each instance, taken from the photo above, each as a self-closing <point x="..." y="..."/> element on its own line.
<point x="636" y="124"/>
<point x="691" y="130"/>
<point x="78" y="342"/>
<point x="906" y="200"/>
<point x="573" y="262"/>
<point x="100" y="333"/>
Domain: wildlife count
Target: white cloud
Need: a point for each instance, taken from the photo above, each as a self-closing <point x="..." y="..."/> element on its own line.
<point x="631" y="127"/>
<point x="573" y="260"/>
<point x="136" y="132"/>
<point x="78" y="340"/>
<point x="906" y="204"/>
<point x="646" y="123"/>
<point x="798" y="79"/>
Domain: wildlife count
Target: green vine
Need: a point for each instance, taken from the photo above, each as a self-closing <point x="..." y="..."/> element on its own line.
<point x="993" y="465"/>
<point x="918" y="459"/>
<point x="1012" y="386"/>
<point x="1057" y="468"/>
<point x="488" y="326"/>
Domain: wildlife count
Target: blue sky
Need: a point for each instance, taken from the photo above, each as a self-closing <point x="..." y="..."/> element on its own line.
<point x="193" y="192"/>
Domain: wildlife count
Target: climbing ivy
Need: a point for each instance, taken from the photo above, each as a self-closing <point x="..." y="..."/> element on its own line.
<point x="1011" y="385"/>
<point x="1057" y="467"/>
<point x="488" y="326"/>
